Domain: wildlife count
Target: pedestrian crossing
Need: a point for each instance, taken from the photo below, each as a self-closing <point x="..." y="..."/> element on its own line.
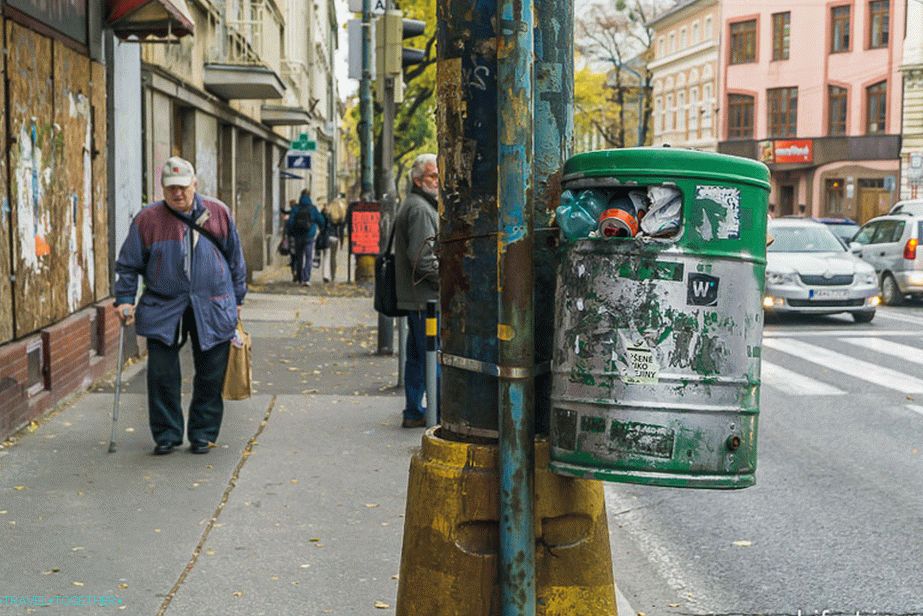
<point x="798" y="363"/>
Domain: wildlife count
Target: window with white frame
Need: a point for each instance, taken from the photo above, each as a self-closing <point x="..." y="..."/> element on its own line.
<point x="658" y="117"/>
<point x="682" y="38"/>
<point x="681" y="111"/>
<point x="695" y="33"/>
<point x="693" y="110"/>
<point x="706" y="106"/>
<point x="668" y="124"/>
<point x="672" y="42"/>
<point x="708" y="30"/>
<point x="661" y="48"/>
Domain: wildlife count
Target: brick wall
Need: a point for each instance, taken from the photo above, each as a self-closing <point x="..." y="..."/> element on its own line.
<point x="69" y="366"/>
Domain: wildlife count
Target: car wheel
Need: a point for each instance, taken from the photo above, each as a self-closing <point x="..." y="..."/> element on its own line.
<point x="863" y="317"/>
<point x="890" y="292"/>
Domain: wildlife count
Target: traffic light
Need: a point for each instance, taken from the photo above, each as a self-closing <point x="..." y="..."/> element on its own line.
<point x="390" y="54"/>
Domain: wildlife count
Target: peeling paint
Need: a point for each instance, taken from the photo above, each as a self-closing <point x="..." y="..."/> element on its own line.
<point x="33" y="224"/>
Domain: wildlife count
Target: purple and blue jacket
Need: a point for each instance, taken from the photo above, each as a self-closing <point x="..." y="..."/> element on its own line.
<point x="159" y="248"/>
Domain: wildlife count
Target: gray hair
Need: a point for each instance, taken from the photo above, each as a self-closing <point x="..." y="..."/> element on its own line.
<point x="419" y="165"/>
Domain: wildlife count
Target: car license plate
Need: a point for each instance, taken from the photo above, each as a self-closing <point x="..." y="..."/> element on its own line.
<point x="826" y="294"/>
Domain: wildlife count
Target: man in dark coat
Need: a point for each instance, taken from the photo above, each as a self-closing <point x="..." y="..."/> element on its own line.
<point x="417" y="275"/>
<point x="192" y="287"/>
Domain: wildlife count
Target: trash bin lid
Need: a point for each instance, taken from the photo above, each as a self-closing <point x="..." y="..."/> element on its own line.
<point x="663" y="164"/>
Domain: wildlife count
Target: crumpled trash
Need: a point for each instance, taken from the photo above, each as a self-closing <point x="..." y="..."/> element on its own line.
<point x="665" y="214"/>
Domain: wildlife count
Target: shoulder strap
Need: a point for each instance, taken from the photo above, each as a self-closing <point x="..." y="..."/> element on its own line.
<point x="391" y="237"/>
<point x="202" y="231"/>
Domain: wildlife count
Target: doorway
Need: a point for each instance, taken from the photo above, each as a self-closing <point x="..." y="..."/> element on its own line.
<point x="786" y="200"/>
<point x="874" y="200"/>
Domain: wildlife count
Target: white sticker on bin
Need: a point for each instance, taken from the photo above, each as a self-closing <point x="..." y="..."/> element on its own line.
<point x="638" y="365"/>
<point x="729" y="199"/>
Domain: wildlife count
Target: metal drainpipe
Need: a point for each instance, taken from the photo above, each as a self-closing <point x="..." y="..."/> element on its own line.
<point x="515" y="313"/>
<point x="554" y="143"/>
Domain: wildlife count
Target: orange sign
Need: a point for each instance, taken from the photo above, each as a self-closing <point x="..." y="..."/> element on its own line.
<point x="363" y="228"/>
<point x="794" y="151"/>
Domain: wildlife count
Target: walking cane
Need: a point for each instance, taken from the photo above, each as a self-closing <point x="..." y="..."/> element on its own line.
<point x="118" y="386"/>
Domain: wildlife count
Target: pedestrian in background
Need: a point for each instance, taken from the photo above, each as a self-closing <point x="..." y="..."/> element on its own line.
<point x="335" y="215"/>
<point x="304" y="222"/>
<point x="194" y="284"/>
<point x="290" y="240"/>
<point x="416" y="271"/>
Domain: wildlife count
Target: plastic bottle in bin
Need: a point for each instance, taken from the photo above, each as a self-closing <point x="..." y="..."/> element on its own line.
<point x="578" y="217"/>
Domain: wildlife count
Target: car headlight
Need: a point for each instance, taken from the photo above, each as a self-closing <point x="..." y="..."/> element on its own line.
<point x="869" y="278"/>
<point x="779" y="277"/>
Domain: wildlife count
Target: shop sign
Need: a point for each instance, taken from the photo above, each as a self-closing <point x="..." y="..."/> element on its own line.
<point x="364" y="234"/>
<point x="794" y="151"/>
<point x="915" y="170"/>
<point x="69" y="17"/>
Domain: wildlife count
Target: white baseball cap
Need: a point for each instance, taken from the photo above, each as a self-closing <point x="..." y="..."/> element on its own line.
<point x="177" y="172"/>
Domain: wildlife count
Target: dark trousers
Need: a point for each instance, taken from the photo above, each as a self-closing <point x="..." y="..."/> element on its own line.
<point x="415" y="366"/>
<point x="164" y="386"/>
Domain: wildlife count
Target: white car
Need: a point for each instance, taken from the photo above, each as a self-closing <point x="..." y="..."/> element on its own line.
<point x="914" y="207"/>
<point x="809" y="271"/>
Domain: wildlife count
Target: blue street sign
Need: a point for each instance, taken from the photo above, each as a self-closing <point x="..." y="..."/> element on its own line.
<point x="299" y="160"/>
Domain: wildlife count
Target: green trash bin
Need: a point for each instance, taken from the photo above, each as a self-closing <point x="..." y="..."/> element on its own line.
<point x="656" y="368"/>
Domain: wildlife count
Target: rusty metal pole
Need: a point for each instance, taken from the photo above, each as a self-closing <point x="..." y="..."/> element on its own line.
<point x="554" y="143"/>
<point x="515" y="324"/>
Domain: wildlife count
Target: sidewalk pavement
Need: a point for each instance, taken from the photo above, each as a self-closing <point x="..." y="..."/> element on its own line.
<point x="298" y="510"/>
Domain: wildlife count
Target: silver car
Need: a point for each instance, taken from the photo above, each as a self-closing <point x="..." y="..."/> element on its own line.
<point x="909" y="206"/>
<point x="891" y="244"/>
<point x="808" y="270"/>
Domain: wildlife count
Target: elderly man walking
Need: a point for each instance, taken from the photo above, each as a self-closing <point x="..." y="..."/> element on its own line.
<point x="416" y="272"/>
<point x="187" y="249"/>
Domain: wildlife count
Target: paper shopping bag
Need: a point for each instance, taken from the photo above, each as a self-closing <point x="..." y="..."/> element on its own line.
<point x="239" y="374"/>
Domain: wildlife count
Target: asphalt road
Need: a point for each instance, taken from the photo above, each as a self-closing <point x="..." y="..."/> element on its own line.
<point x="833" y="522"/>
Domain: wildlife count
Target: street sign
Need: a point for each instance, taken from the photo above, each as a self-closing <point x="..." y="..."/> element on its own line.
<point x="890" y="182"/>
<point x="364" y="217"/>
<point x="915" y="169"/>
<point x="377" y="6"/>
<point x="298" y="159"/>
<point x="354" y="37"/>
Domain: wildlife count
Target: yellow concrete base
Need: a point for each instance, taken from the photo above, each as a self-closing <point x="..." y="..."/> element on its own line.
<point x="449" y="556"/>
<point x="365" y="268"/>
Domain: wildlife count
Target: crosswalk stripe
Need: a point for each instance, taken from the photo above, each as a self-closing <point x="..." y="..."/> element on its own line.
<point x="794" y="383"/>
<point x="877" y="375"/>
<point x="900" y="316"/>
<point x="902" y="351"/>
<point x="800" y="333"/>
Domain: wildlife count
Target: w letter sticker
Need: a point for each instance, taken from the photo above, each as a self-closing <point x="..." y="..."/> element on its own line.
<point x="702" y="290"/>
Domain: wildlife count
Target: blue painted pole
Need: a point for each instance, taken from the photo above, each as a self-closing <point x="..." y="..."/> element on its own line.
<point x="515" y="282"/>
<point x="554" y="142"/>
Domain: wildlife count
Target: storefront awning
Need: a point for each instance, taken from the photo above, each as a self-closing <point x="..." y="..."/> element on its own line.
<point x="144" y="18"/>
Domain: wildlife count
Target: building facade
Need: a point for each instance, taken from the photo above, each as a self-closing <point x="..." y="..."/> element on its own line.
<point x="231" y="99"/>
<point x="814" y="90"/>
<point x="91" y="108"/>
<point x="685" y="74"/>
<point x="912" y="133"/>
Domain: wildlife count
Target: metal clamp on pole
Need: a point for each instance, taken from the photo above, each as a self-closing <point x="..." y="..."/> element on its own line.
<point x="432" y="386"/>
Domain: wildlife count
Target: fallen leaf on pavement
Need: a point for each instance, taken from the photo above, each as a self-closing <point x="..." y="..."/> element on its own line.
<point x="51" y="571"/>
<point x="77" y="583"/>
<point x="743" y="543"/>
<point x="20" y="488"/>
<point x="381" y="605"/>
<point x="237" y="594"/>
<point x="395" y="576"/>
<point x="123" y="585"/>
<point x="314" y="539"/>
<point x="371" y="505"/>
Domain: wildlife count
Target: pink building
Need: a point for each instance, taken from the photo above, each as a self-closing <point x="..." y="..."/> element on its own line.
<point x="814" y="89"/>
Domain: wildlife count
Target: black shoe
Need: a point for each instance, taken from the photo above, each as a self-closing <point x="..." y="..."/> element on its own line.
<point x="163" y="449"/>
<point x="414" y="423"/>
<point x="199" y="447"/>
